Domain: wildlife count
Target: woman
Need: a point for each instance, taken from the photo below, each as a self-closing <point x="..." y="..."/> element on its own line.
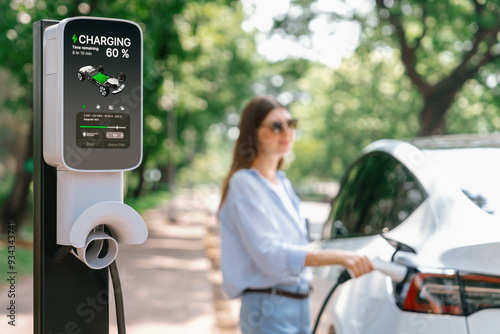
<point x="264" y="255"/>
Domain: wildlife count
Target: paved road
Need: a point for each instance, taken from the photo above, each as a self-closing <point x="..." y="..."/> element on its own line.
<point x="165" y="280"/>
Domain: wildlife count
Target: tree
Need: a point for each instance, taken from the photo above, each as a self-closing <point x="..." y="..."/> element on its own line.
<point x="441" y="44"/>
<point x="208" y="77"/>
<point x="348" y="108"/>
<point x="440" y="27"/>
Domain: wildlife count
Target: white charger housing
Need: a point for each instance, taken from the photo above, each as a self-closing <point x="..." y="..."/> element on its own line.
<point x="92" y="131"/>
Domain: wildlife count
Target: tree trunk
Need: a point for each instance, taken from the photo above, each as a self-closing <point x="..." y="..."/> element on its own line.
<point x="432" y="116"/>
<point x="15" y="206"/>
<point x="437" y="101"/>
<point x="171" y="171"/>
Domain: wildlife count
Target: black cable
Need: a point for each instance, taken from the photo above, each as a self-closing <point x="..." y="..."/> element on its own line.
<point x="344" y="277"/>
<point x="61" y="253"/>
<point x="120" y="313"/>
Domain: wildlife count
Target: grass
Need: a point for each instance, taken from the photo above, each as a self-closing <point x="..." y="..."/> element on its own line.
<point x="23" y="253"/>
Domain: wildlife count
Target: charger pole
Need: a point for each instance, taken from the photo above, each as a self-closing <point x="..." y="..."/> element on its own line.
<point x="69" y="297"/>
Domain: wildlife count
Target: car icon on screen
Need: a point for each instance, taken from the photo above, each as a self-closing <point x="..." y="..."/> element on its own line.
<point x="105" y="81"/>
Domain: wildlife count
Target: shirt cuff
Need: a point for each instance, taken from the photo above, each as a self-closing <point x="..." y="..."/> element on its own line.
<point x="296" y="259"/>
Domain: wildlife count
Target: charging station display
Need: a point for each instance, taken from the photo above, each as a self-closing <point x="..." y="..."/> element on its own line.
<point x="102" y="130"/>
<point x="102" y="96"/>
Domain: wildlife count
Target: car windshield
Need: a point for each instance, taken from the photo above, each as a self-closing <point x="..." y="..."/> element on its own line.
<point x="476" y="171"/>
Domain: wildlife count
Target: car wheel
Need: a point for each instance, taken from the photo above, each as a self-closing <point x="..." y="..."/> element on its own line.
<point x="104" y="90"/>
<point x="121" y="77"/>
<point x="81" y="76"/>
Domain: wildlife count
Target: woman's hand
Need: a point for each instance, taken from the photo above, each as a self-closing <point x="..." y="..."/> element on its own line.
<point x="357" y="264"/>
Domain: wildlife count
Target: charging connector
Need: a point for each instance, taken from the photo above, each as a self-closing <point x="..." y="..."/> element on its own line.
<point x="394" y="270"/>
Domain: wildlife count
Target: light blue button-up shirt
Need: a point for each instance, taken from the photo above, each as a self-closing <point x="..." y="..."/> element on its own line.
<point x="263" y="245"/>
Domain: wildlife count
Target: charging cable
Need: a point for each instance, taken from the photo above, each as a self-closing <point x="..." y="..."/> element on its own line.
<point x="344" y="277"/>
<point x="396" y="271"/>
<point x="63" y="251"/>
<point x="117" y="288"/>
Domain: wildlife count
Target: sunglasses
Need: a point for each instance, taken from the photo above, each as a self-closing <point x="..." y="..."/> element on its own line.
<point x="278" y="126"/>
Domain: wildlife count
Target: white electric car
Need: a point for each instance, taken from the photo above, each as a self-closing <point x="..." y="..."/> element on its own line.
<point x="433" y="205"/>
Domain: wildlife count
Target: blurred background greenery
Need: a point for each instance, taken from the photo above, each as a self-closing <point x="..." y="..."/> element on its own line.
<point x="350" y="71"/>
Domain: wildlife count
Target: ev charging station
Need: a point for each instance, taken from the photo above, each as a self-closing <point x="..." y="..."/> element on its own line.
<point x="88" y="131"/>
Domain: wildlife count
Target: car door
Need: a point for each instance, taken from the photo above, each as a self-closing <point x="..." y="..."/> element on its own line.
<point x="377" y="194"/>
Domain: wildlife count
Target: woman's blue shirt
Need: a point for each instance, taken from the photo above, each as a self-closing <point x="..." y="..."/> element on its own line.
<point x="263" y="245"/>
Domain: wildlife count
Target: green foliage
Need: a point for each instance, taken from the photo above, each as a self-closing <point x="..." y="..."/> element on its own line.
<point x="476" y="108"/>
<point x="371" y="95"/>
<point x="216" y="73"/>
<point x="350" y="109"/>
<point x="148" y="201"/>
<point x="198" y="66"/>
<point x="443" y="32"/>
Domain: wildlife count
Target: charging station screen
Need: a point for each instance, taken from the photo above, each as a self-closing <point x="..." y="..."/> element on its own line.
<point x="102" y="130"/>
<point x="102" y="94"/>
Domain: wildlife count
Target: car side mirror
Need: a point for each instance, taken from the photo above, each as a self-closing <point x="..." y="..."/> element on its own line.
<point x="340" y="229"/>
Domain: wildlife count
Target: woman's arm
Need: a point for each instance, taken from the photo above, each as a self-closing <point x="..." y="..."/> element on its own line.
<point x="358" y="264"/>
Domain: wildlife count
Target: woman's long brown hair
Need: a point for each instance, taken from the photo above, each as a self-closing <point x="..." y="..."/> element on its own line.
<point x="245" y="149"/>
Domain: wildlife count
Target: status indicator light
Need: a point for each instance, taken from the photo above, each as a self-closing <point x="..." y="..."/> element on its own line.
<point x="93" y="127"/>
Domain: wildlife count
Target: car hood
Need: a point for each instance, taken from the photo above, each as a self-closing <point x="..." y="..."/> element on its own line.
<point x="471" y="245"/>
<point x="466" y="239"/>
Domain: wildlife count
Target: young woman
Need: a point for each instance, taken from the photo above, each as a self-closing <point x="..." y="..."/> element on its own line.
<point x="264" y="256"/>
